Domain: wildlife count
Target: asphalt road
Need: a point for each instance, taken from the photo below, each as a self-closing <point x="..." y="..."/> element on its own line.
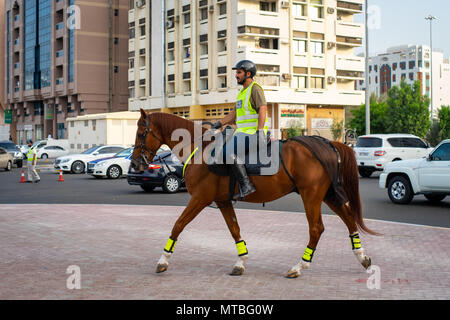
<point x="83" y="189"/>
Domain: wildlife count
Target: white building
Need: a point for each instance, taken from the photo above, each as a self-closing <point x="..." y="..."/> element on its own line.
<point x="411" y="62"/>
<point x="304" y="51"/>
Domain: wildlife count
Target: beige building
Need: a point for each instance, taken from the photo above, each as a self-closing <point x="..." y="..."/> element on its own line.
<point x="64" y="58"/>
<point x="2" y="70"/>
<point x="304" y="51"/>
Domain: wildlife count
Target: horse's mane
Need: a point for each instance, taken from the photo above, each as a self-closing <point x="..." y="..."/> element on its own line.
<point x="168" y="123"/>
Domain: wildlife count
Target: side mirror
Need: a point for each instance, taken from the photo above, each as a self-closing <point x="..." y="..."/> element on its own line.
<point x="95" y="154"/>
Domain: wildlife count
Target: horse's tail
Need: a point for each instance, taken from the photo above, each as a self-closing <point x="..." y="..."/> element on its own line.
<point x="350" y="183"/>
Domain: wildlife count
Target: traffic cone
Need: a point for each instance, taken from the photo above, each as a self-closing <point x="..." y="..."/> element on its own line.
<point x="61" y="178"/>
<point x="22" y="178"/>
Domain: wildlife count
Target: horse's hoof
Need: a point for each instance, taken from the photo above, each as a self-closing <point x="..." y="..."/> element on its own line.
<point x="161" y="268"/>
<point x="292" y="274"/>
<point x="367" y="263"/>
<point x="237" y="271"/>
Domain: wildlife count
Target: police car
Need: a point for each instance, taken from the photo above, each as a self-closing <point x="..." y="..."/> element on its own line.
<point x="112" y="167"/>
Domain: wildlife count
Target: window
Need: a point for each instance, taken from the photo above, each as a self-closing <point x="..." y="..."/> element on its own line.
<point x="411" y="76"/>
<point x="394" y="66"/>
<point x="317" y="47"/>
<point x="298" y="10"/>
<point x="187" y="18"/>
<point x="300" y="46"/>
<point x="396" y="142"/>
<point x="442" y="153"/>
<point x="300" y="82"/>
<point x="369" y="143"/>
<point x="403" y="65"/>
<point x="142" y="30"/>
<point x="412" y="64"/>
<point x="268" y="6"/>
<point x="131" y="64"/>
<point x="132" y="33"/>
<point x="203" y="14"/>
<point x="413" y="143"/>
<point x="315" y="12"/>
<point x="222" y="8"/>
<point x="394" y="78"/>
<point x="317" y="82"/>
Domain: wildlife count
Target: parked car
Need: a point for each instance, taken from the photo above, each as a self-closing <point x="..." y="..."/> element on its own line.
<point x="113" y="167"/>
<point x="51" y="152"/>
<point x="165" y="171"/>
<point x="15" y="152"/>
<point x="64" y="143"/>
<point x="429" y="176"/>
<point x="6" y="160"/>
<point x="76" y="163"/>
<point x="374" y="151"/>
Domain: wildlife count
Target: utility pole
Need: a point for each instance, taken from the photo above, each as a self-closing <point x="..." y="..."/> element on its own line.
<point x="431" y="18"/>
<point x="367" y="70"/>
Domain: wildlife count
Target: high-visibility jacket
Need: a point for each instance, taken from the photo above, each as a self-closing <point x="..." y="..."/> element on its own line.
<point x="246" y="116"/>
<point x="30" y="154"/>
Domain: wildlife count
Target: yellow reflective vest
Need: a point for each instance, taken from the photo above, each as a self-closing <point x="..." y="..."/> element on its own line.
<point x="30" y="154"/>
<point x="246" y="116"/>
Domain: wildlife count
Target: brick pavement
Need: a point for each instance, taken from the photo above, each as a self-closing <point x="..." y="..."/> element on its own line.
<point x="117" y="247"/>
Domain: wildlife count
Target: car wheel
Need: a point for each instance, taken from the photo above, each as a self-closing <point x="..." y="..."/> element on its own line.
<point x="8" y="166"/>
<point x="114" y="172"/>
<point x="400" y="190"/>
<point x="365" y="173"/>
<point x="435" y="198"/>
<point x="44" y="156"/>
<point x="147" y="188"/>
<point x="78" y="167"/>
<point x="171" y="184"/>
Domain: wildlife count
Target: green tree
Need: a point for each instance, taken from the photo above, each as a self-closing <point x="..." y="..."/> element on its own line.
<point x="408" y="110"/>
<point x="434" y="136"/>
<point x="444" y="121"/>
<point x="378" y="109"/>
<point x="295" y="129"/>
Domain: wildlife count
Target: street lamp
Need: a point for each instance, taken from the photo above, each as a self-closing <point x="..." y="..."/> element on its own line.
<point x="431" y="18"/>
<point x="367" y="70"/>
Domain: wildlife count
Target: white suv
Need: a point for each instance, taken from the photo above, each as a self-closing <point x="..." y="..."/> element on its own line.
<point x="429" y="176"/>
<point x="374" y="151"/>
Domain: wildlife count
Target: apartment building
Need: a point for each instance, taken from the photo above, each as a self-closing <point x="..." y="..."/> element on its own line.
<point x="181" y="55"/>
<point x="412" y="63"/>
<point x="2" y="70"/>
<point x="64" y="58"/>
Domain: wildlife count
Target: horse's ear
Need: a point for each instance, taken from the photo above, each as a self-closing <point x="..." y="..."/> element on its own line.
<point x="143" y="114"/>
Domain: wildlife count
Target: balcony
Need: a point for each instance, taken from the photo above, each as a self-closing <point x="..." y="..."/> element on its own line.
<point x="259" y="56"/>
<point x="263" y="19"/>
<point x="349" y="29"/>
<point x="350" y="63"/>
<point x="59" y="30"/>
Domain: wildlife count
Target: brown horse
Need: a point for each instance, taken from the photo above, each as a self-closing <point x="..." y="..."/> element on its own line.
<point x="205" y="187"/>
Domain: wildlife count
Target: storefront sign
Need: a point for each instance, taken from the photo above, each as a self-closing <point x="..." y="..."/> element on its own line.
<point x="49" y="112"/>
<point x="8" y="116"/>
<point x="290" y="115"/>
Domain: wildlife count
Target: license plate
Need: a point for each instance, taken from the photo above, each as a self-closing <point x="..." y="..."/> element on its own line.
<point x="363" y="153"/>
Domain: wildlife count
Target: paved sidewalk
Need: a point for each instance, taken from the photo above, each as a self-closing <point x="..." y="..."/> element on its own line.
<point x="117" y="247"/>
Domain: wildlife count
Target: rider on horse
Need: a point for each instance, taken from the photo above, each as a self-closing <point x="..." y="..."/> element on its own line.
<point x="250" y="116"/>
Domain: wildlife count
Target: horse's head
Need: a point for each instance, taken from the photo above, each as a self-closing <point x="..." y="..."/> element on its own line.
<point x="147" y="143"/>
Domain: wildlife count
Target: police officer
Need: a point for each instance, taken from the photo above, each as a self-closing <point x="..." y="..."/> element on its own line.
<point x="250" y="116"/>
<point x="32" y="175"/>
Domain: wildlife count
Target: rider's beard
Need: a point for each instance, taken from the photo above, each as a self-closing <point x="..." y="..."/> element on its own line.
<point x="241" y="82"/>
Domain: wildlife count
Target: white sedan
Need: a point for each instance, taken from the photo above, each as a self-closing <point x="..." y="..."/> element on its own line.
<point x="76" y="163"/>
<point x="113" y="168"/>
<point x="51" y="152"/>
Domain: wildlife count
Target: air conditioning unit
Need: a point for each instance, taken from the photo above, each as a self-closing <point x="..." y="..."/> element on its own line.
<point x="331" y="45"/>
<point x="286" y="76"/>
<point x="330" y="10"/>
<point x="331" y="80"/>
<point x="285" y="4"/>
<point x="211" y="8"/>
<point x="140" y="3"/>
<point x="169" y="24"/>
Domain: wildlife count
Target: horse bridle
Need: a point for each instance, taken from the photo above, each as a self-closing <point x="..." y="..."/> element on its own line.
<point x="142" y="143"/>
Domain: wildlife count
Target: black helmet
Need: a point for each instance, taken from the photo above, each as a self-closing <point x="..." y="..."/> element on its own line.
<point x="30" y="141"/>
<point x="247" y="66"/>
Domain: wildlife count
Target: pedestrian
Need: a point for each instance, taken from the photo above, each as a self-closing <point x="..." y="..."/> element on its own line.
<point x="250" y="117"/>
<point x="32" y="175"/>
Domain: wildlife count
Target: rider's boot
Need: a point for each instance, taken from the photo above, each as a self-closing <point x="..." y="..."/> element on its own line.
<point x="245" y="185"/>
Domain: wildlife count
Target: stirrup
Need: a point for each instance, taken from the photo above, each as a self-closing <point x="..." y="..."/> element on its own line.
<point x="240" y="196"/>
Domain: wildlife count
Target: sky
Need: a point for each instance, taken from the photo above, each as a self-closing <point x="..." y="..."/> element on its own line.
<point x="403" y="22"/>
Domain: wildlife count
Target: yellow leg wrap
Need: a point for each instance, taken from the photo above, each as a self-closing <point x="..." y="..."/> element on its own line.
<point x="241" y="248"/>
<point x="308" y="255"/>
<point x="170" y="246"/>
<point x="355" y="241"/>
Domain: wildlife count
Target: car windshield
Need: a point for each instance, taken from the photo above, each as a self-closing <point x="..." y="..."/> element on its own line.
<point x="124" y="153"/>
<point x="369" y="143"/>
<point x="8" y="146"/>
<point x="91" y="150"/>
